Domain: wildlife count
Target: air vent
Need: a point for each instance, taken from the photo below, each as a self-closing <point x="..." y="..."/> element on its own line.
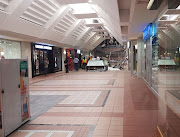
<point x="84" y="38"/>
<point x="40" y="11"/>
<point x="4" y="4"/>
<point x="92" y="39"/>
<point x="67" y="21"/>
<point x="78" y="31"/>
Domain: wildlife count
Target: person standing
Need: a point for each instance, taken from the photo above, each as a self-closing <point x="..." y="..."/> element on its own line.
<point x="66" y="65"/>
<point x="84" y="63"/>
<point x="76" y="63"/>
<point x="46" y="65"/>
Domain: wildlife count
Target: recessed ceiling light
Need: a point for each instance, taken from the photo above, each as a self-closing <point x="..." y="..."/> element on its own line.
<point x="90" y="1"/>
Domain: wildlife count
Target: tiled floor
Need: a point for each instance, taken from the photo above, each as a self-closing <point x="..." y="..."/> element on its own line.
<point x="93" y="104"/>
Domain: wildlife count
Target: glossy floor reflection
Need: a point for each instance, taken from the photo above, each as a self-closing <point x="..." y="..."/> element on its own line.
<point x="107" y="104"/>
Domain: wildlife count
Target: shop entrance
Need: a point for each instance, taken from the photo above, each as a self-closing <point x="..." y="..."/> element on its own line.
<point x="38" y="57"/>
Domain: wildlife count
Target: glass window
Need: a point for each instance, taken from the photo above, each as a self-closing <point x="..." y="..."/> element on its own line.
<point x="10" y="49"/>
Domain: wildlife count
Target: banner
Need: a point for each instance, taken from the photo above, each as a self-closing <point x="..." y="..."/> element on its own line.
<point x="24" y="90"/>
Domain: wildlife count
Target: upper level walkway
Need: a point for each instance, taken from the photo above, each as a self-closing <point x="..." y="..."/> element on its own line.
<point x="93" y="104"/>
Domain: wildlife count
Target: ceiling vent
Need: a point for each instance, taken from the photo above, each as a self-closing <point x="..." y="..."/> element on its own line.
<point x="4" y="4"/>
<point x="64" y="25"/>
<point x="78" y="31"/>
<point x="84" y="38"/>
<point x="40" y="11"/>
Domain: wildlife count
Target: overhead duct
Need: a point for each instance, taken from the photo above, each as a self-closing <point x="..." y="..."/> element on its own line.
<point x="154" y="4"/>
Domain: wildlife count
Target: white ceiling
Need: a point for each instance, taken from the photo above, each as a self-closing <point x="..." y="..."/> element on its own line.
<point x="55" y="22"/>
<point x="140" y="17"/>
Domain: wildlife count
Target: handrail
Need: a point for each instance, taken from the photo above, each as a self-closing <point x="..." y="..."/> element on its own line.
<point x="159" y="133"/>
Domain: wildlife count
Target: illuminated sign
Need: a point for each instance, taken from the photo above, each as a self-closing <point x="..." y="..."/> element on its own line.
<point x="147" y="32"/>
<point x="151" y="30"/>
<point x="43" y="47"/>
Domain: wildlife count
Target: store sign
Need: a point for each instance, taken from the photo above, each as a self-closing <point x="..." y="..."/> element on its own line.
<point x="147" y="32"/>
<point x="43" y="47"/>
<point x="151" y="30"/>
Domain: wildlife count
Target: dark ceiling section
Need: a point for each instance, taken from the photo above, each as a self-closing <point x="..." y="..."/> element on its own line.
<point x="173" y="4"/>
<point x="156" y="4"/>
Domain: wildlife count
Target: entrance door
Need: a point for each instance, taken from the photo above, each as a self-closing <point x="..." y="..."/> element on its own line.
<point x="10" y="98"/>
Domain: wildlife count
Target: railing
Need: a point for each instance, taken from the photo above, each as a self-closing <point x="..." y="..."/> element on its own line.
<point x="159" y="132"/>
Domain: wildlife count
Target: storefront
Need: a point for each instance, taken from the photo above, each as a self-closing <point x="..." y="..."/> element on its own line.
<point x="39" y="54"/>
<point x="150" y="61"/>
<point x="57" y="55"/>
<point x="10" y="49"/>
<point x="71" y="53"/>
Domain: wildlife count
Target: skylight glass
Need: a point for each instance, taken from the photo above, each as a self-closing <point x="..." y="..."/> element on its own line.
<point x="82" y="8"/>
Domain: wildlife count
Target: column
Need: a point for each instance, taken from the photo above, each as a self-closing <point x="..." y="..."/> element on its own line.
<point x="26" y="54"/>
<point x="140" y="57"/>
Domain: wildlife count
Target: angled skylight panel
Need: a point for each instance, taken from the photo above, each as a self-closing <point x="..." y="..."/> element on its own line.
<point x="40" y="11"/>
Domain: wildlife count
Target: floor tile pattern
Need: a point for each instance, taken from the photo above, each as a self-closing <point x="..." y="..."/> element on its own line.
<point x="71" y="82"/>
<point x="54" y="131"/>
<point x="109" y="104"/>
<point x="39" y="104"/>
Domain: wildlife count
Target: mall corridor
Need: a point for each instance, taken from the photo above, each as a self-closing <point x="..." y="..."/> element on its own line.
<point x="91" y="104"/>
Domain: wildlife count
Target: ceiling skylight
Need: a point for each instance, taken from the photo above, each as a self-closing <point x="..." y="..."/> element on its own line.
<point x="82" y="8"/>
<point x="92" y="21"/>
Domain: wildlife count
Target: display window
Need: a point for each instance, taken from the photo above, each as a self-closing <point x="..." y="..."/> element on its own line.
<point x="40" y="53"/>
<point x="10" y="49"/>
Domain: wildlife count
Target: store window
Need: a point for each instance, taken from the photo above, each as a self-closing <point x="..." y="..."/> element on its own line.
<point x="39" y="54"/>
<point x="10" y="49"/>
<point x="166" y="54"/>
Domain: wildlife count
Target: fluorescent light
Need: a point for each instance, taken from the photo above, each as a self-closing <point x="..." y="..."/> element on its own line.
<point x="82" y="8"/>
<point x="150" y="4"/>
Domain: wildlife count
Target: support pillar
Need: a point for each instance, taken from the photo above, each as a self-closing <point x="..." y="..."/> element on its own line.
<point x="140" y="57"/>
